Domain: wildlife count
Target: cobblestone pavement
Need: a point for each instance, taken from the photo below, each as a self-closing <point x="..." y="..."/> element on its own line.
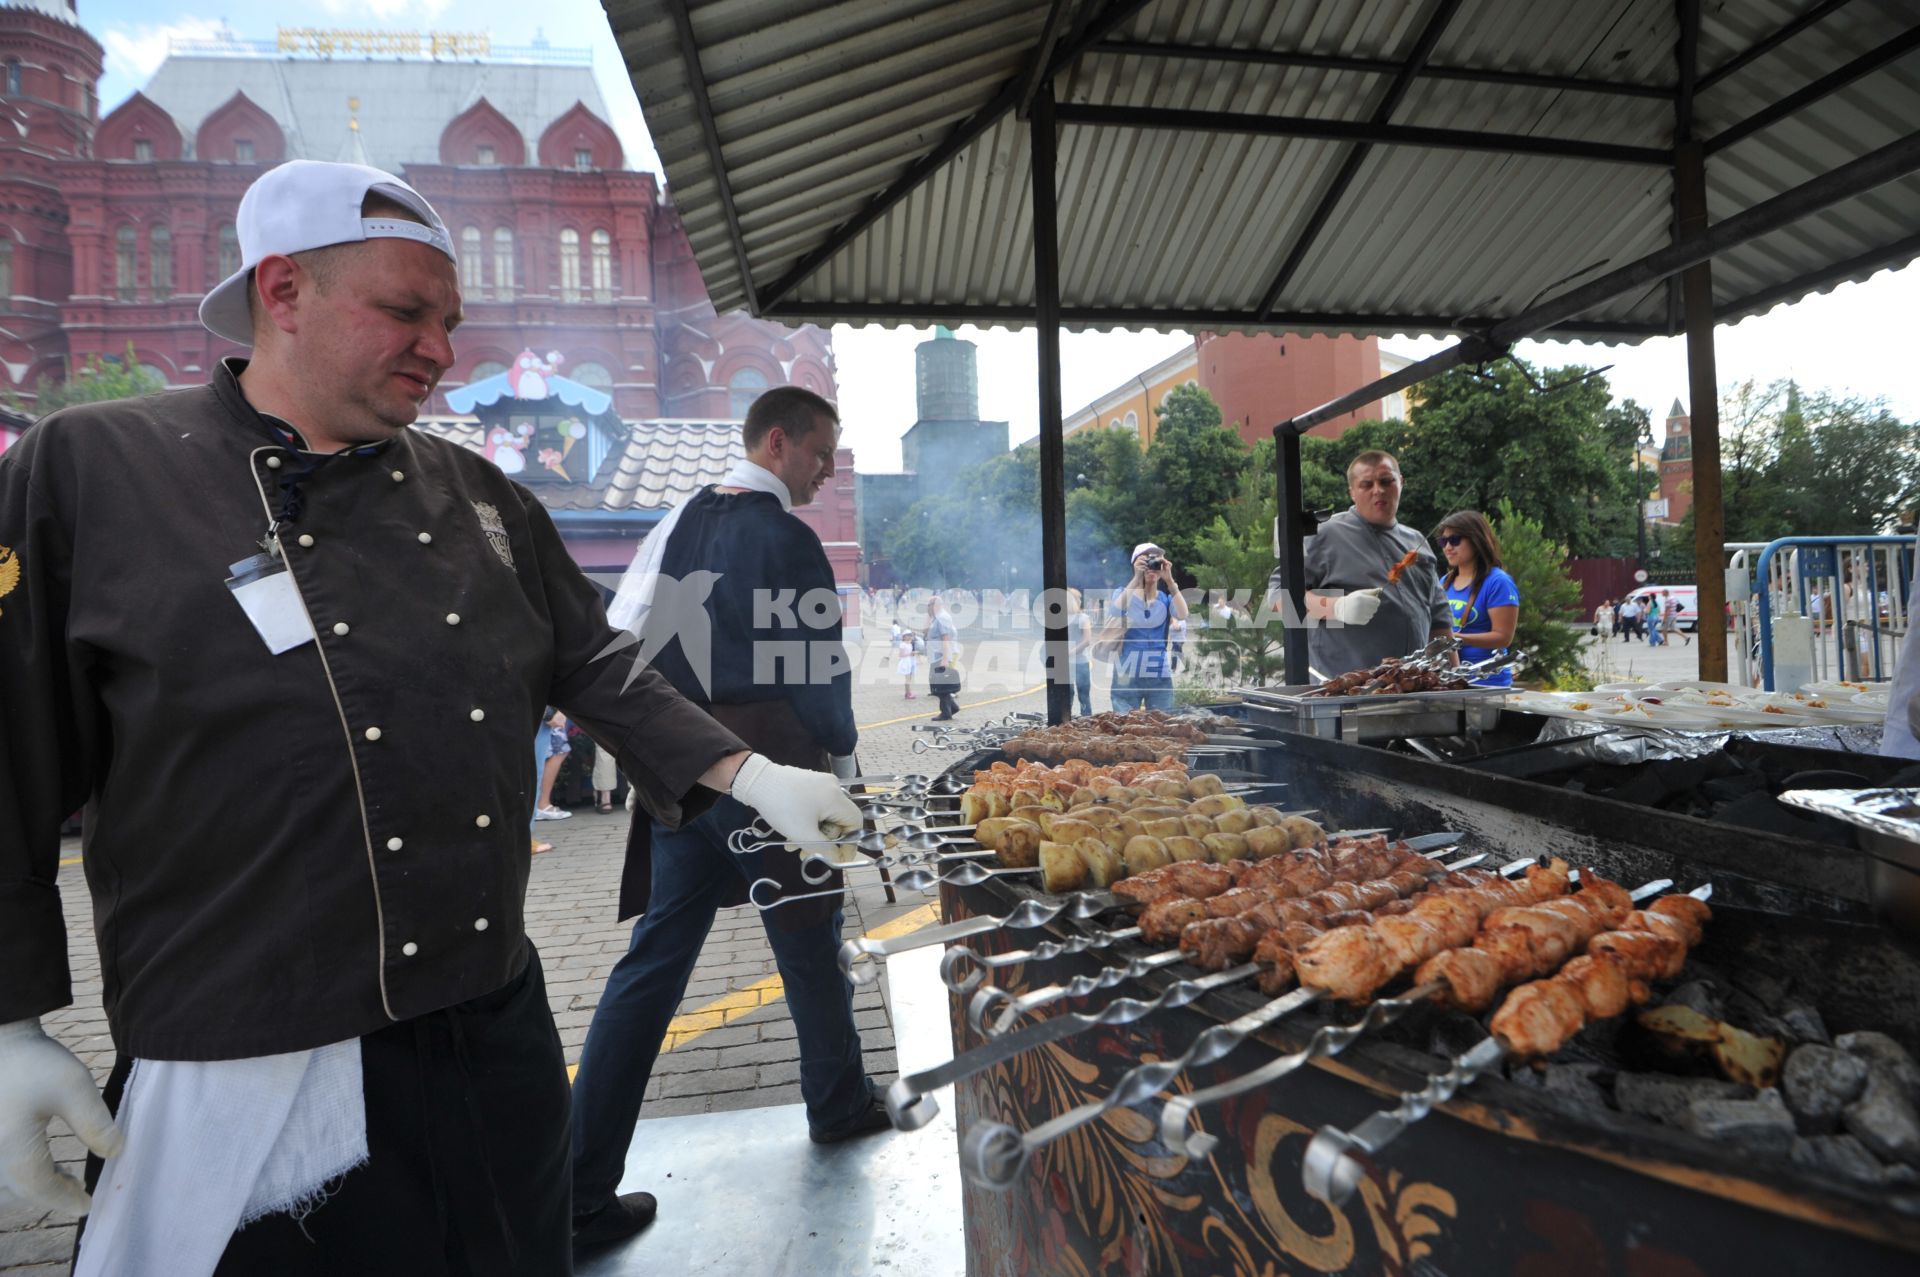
<point x="732" y="1045"/>
<point x="1613" y="660"/>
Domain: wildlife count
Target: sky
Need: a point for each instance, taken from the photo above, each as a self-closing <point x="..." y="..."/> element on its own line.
<point x="1855" y="340"/>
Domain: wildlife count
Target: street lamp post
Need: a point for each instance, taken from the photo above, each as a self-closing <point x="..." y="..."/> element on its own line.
<point x="1641" y="444"/>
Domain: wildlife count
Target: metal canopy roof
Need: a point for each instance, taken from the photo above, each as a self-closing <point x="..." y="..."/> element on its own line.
<point x="1342" y="165"/>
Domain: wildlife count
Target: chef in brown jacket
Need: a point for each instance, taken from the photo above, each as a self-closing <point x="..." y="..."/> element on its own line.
<point x="288" y="655"/>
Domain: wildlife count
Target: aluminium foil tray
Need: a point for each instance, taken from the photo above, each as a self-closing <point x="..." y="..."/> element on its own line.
<point x="1464" y="712"/>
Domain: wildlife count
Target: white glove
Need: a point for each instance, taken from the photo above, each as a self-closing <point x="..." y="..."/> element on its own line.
<point x="40" y="1079"/>
<point x="845" y="767"/>
<point x="800" y="804"/>
<point x="1356" y="608"/>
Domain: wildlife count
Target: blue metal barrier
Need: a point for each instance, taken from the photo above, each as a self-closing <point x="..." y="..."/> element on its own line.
<point x="1820" y="558"/>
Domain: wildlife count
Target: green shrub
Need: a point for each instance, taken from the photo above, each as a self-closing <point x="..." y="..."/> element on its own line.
<point x="1548" y="597"/>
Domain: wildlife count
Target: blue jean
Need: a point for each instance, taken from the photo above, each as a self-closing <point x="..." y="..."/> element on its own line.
<point x="1142" y="693"/>
<point x="1083" y="685"/>
<point x="692" y="874"/>
<point x="542" y="751"/>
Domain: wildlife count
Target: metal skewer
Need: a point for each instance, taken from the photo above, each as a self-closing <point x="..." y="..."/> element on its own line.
<point x="1012" y="1008"/>
<point x="1326" y="1042"/>
<point x="1334" y="1162"/>
<point x="910" y="1101"/>
<point x="963" y="968"/>
<point x="857" y="953"/>
<point x="993" y="1153"/>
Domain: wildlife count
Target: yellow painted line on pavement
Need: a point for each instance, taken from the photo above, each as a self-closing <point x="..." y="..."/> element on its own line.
<point x="728" y="1007"/>
<point x="1011" y="696"/>
<point x="71" y="860"/>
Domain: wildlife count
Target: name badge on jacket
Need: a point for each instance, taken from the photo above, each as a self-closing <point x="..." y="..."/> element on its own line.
<point x="266" y="593"/>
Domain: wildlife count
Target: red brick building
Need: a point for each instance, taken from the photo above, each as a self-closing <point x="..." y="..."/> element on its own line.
<point x="1258" y="379"/>
<point x="1261" y="379"/>
<point x="1676" y="465"/>
<point x="115" y="227"/>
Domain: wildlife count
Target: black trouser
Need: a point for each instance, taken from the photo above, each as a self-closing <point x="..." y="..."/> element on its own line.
<point x="468" y="1164"/>
<point x="942" y="683"/>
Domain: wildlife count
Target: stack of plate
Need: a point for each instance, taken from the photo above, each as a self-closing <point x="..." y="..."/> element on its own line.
<point x="1695" y="705"/>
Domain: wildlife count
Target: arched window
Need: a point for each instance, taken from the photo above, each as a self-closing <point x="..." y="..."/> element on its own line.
<point x="152" y="375"/>
<point x="123" y="263"/>
<point x="13" y="77"/>
<point x="229" y="248"/>
<point x="160" y="263"/>
<point x="473" y="262"/>
<point x="1115" y="424"/>
<point x="482" y="371"/>
<point x="590" y="374"/>
<point x="602" y="266"/>
<point x="503" y="264"/>
<point x="569" y="265"/>
<point x="743" y="388"/>
<point x="6" y="267"/>
<point x="1133" y="422"/>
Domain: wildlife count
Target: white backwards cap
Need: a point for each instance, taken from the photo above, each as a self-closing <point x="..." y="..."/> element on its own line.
<point x="303" y="205"/>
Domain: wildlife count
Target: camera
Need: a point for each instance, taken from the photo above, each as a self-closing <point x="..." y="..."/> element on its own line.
<point x="1155" y="563"/>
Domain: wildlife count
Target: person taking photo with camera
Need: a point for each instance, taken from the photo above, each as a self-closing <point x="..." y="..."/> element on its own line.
<point x="1138" y="635"/>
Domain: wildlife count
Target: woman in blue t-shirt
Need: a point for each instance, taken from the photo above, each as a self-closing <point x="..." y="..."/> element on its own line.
<point x="1481" y="595"/>
<point x="1147" y="606"/>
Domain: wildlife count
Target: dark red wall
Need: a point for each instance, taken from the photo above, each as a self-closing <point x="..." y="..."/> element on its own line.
<point x="1261" y="379"/>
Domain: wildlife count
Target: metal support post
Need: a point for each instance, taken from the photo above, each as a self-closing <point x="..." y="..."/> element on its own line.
<point x="1703" y="390"/>
<point x="1053" y="486"/>
<point x="1296" y="524"/>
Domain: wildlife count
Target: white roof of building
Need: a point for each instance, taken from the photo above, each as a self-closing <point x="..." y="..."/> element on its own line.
<point x="404" y="104"/>
<point x="61" y="9"/>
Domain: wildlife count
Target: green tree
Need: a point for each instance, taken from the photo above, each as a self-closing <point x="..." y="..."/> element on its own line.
<point x="1542" y="439"/>
<point x="927" y="547"/>
<point x="1805" y="464"/>
<point x="1548" y="596"/>
<point x="1192" y="469"/>
<point x="95" y="381"/>
<point x="1233" y="558"/>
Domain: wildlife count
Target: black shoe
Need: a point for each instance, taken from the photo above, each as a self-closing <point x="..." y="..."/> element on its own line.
<point x="941" y="718"/>
<point x="619" y="1219"/>
<point x="873" y="1118"/>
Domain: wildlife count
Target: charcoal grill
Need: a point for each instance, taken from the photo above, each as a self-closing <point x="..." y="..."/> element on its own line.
<point x="1516" y="1173"/>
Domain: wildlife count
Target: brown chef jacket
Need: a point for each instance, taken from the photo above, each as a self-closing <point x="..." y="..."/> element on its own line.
<point x="286" y="851"/>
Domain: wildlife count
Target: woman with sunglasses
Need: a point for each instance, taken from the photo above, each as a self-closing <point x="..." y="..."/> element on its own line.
<point x="1483" y="598"/>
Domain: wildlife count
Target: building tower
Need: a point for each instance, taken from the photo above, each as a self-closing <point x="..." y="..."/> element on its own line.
<point x="949" y="435"/>
<point x="49" y="68"/>
<point x="948" y="382"/>
<point x="1676" y="464"/>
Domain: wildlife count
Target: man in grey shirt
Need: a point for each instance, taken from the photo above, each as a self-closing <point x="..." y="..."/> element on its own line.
<point x="1351" y="555"/>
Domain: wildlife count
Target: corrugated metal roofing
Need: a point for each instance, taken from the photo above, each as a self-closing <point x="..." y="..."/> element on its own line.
<point x="820" y="108"/>
<point x="404" y="104"/>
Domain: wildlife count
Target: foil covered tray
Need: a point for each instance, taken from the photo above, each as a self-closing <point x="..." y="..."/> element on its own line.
<point x="1887" y="822"/>
<point x="1294" y="696"/>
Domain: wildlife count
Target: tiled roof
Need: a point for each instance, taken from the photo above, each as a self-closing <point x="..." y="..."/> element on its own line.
<point x="663" y="463"/>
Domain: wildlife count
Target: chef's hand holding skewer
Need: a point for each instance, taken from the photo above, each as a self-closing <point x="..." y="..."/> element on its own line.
<point x="803" y="805"/>
<point x="40" y="1079"/>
